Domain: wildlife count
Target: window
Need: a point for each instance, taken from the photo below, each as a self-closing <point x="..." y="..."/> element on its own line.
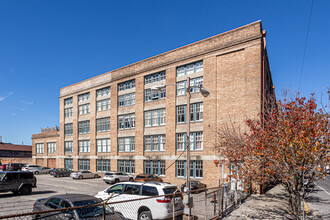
<point x="84" y="146"/>
<point x="68" y="130"/>
<point x="103" y="165"/>
<point x="103" y="92"/>
<point x="40" y="148"/>
<point x="154" y="143"/>
<point x="189" y="68"/>
<point x="196" y="112"/>
<point x="181" y="114"/>
<point x="68" y="164"/>
<point x="132" y="189"/>
<point x="68" y="101"/>
<point x="51" y="147"/>
<point x="151" y="96"/>
<point x="156" y="167"/>
<point x="83" y="164"/>
<point x="67" y="112"/>
<point x="155" y="77"/>
<point x="103" y="145"/>
<point x="83" y="109"/>
<point x="149" y="191"/>
<point x="103" y="124"/>
<point x="196" y="141"/>
<point x="68" y="145"/>
<point x="195" y="84"/>
<point x="103" y="105"/>
<point x="126" y="85"/>
<point x="126" y="144"/>
<point x="181" y="141"/>
<point x="181" y="88"/>
<point x="127" y="166"/>
<point x="180" y="168"/>
<point x="196" y="168"/>
<point x="126" y="121"/>
<point x="83" y="127"/>
<point x="83" y="97"/>
<point x="126" y="100"/>
<point x="154" y="118"/>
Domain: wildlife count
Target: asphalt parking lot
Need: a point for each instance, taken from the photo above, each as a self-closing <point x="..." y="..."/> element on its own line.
<point x="47" y="186"/>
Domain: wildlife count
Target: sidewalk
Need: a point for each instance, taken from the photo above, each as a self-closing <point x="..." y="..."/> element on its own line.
<point x="273" y="205"/>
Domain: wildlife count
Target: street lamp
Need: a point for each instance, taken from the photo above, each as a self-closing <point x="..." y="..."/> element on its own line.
<point x="204" y="93"/>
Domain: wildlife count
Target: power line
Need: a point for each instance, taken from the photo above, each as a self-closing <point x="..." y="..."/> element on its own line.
<point x="309" y="23"/>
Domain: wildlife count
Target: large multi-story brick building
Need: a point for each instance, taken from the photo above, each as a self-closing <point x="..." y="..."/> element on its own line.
<point x="114" y="121"/>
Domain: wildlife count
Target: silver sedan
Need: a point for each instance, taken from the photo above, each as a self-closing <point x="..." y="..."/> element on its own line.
<point x="83" y="174"/>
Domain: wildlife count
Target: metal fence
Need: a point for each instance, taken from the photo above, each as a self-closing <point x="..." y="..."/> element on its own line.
<point x="210" y="203"/>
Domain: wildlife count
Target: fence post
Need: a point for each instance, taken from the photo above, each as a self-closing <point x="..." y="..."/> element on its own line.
<point x="205" y="206"/>
<point x="173" y="201"/>
<point x="220" y="203"/>
<point x="236" y="192"/>
<point x="214" y="204"/>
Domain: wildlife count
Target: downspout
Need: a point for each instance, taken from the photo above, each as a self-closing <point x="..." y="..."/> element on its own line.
<point x="263" y="48"/>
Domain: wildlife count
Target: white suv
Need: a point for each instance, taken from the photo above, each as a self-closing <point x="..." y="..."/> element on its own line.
<point x="115" y="177"/>
<point x="147" y="209"/>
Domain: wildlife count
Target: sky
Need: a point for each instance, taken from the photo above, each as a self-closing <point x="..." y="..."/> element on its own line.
<point x="46" y="45"/>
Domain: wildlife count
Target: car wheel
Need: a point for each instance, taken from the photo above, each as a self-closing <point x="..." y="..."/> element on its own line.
<point x="61" y="175"/>
<point x="146" y="215"/>
<point x="131" y="179"/>
<point x="36" y="172"/>
<point x="80" y="177"/>
<point x="96" y="176"/>
<point x="161" y="181"/>
<point x="26" y="190"/>
<point x="116" y="180"/>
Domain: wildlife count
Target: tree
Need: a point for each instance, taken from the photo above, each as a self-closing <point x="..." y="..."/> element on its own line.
<point x="288" y="143"/>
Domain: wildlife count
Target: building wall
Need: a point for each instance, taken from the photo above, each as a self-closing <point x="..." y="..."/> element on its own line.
<point x="46" y="158"/>
<point x="231" y="72"/>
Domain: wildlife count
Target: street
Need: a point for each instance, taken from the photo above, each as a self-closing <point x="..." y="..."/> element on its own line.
<point x="47" y="186"/>
<point x="318" y="200"/>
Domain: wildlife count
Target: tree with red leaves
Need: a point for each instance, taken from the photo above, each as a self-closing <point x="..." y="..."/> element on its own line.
<point x="288" y="144"/>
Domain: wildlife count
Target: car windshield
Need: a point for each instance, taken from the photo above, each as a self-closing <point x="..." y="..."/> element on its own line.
<point x="109" y="174"/>
<point x="170" y="190"/>
<point x="140" y="177"/>
<point x="91" y="211"/>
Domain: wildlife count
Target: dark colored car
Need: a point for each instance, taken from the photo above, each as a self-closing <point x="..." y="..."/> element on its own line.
<point x="17" y="182"/>
<point x="15" y="166"/>
<point x="60" y="172"/>
<point x="194" y="185"/>
<point x="147" y="178"/>
<point x="3" y="167"/>
<point x="72" y="200"/>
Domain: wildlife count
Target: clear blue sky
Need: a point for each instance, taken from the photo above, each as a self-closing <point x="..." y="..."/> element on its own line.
<point x="46" y="45"/>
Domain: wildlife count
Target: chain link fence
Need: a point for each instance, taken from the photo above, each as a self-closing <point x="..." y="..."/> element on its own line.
<point x="210" y="203"/>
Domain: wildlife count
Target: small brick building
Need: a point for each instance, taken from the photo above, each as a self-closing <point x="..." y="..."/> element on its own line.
<point x="114" y="121"/>
<point x="15" y="153"/>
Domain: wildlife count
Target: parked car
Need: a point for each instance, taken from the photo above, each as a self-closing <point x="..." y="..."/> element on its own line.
<point x="31" y="168"/>
<point x="147" y="178"/>
<point x="194" y="185"/>
<point x="3" y="167"/>
<point x="60" y="172"/>
<point x="17" y="182"/>
<point x="43" y="170"/>
<point x="84" y="174"/>
<point x="154" y="208"/>
<point x="73" y="200"/>
<point x="115" y="177"/>
<point x="15" y="166"/>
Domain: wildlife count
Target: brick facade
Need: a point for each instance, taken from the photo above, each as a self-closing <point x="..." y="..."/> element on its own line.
<point x="232" y="72"/>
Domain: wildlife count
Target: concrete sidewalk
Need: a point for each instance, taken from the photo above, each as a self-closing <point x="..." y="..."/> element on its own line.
<point x="273" y="205"/>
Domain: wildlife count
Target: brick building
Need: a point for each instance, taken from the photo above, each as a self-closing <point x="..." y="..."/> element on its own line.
<point x="44" y="147"/>
<point x="15" y="153"/>
<point x="114" y="121"/>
